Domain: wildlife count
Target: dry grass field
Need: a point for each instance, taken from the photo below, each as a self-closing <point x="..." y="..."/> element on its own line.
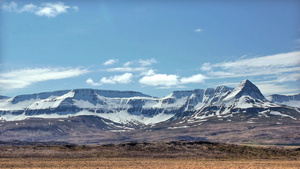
<point x="160" y="163"/>
<point x="173" y="154"/>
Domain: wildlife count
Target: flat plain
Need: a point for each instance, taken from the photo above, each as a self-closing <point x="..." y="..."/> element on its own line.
<point x="146" y="163"/>
<point x="169" y="154"/>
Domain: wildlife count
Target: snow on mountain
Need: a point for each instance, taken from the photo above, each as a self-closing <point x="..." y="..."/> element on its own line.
<point x="115" y="105"/>
<point x="213" y="96"/>
<point x="289" y="100"/>
<point x="129" y="107"/>
<point x="22" y="102"/>
<point x="246" y="88"/>
<point x="246" y="97"/>
<point x="120" y="107"/>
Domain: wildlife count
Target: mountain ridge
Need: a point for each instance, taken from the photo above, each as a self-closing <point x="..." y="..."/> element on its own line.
<point x="130" y="103"/>
<point x="289" y="100"/>
<point x="88" y="116"/>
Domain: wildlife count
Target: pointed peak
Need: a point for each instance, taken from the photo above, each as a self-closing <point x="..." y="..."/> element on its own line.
<point x="246" y="88"/>
<point x="245" y="82"/>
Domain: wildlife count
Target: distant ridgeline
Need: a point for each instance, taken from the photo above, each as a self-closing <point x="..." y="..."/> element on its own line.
<point x="122" y="111"/>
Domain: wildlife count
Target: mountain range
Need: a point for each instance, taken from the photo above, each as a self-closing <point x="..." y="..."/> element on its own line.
<point x="89" y="116"/>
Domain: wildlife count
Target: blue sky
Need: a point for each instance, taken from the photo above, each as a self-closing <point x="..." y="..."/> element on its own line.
<point x="154" y="47"/>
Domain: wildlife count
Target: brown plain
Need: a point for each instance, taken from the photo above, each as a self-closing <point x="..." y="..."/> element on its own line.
<point x="172" y="154"/>
<point x="161" y="163"/>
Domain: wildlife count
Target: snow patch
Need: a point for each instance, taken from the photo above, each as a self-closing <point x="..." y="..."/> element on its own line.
<point x="292" y="103"/>
<point x="276" y="113"/>
<point x="180" y="127"/>
<point x="125" y="117"/>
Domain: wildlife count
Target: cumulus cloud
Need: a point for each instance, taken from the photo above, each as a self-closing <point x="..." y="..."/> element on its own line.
<point x="147" y="62"/>
<point x="160" y="80"/>
<point x="122" y="79"/>
<point x="148" y="73"/>
<point x="29" y="8"/>
<point x="110" y="62"/>
<point x="131" y="66"/>
<point x="45" y="9"/>
<point x="24" y="77"/>
<point x="52" y="9"/>
<point x="167" y="81"/>
<point x="117" y="79"/>
<point x="199" y="78"/>
<point x="91" y="82"/>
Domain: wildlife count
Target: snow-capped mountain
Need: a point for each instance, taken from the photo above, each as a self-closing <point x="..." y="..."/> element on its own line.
<point x="241" y="114"/>
<point x="137" y="108"/>
<point x="247" y="89"/>
<point x="289" y="100"/>
<point x="121" y="107"/>
<point x="244" y="98"/>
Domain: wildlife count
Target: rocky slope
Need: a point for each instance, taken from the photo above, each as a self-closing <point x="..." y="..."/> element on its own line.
<point x="91" y="116"/>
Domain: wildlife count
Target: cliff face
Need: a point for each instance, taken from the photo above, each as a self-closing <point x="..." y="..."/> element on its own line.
<point x="135" y="107"/>
<point x="89" y="116"/>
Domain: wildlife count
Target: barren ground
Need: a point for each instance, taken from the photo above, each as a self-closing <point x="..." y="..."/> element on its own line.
<point x="172" y="154"/>
<point x="145" y="163"/>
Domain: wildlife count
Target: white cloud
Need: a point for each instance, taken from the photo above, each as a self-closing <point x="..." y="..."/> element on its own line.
<point x="198" y="30"/>
<point x="29" y="8"/>
<point x="46" y="9"/>
<point x="167" y="81"/>
<point x="160" y="80"/>
<point x="244" y="56"/>
<point x="117" y="79"/>
<point x="206" y="67"/>
<point x="266" y="65"/>
<point x="22" y="78"/>
<point x="148" y="73"/>
<point x="271" y="88"/>
<point x="141" y="62"/>
<point x="199" y="78"/>
<point x="288" y="77"/>
<point x="127" y="69"/>
<point x="11" y="7"/>
<point x="278" y="60"/>
<point x="147" y="62"/>
<point x="110" y="62"/>
<point x="76" y="9"/>
<point x="141" y="65"/>
<point x="91" y="82"/>
<point x="52" y="9"/>
<point x="221" y="74"/>
<point x="128" y="63"/>
<point x="122" y="79"/>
